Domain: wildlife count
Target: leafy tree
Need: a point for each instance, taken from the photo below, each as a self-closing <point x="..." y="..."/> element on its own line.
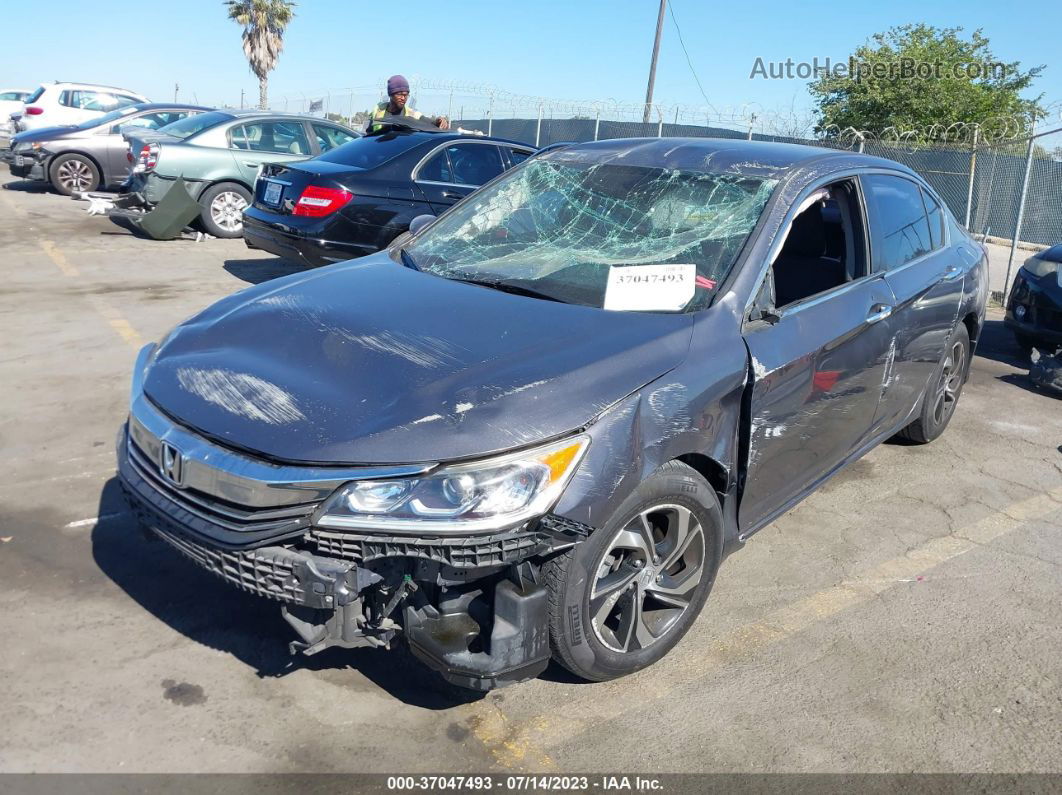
<point x="947" y="79"/>
<point x="264" y="22"/>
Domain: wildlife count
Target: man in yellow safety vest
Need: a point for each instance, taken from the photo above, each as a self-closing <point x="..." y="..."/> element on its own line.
<point x="397" y="97"/>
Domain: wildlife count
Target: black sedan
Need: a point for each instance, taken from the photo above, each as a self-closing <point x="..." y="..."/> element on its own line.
<point x="1034" y="310"/>
<point x="359" y="197"/>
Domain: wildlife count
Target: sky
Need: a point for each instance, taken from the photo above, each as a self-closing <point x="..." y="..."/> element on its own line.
<point x="574" y="49"/>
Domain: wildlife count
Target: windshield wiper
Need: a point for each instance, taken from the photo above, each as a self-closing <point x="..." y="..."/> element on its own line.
<point x="407" y="260"/>
<point x="506" y="287"/>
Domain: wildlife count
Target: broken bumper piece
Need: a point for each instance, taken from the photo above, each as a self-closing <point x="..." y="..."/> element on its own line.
<point x="469" y="609"/>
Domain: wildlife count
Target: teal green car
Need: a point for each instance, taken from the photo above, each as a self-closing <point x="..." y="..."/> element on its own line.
<point x="218" y="155"/>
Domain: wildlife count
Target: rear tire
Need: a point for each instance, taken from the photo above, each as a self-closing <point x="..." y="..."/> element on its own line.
<point x="622" y="599"/>
<point x="72" y="173"/>
<point x="223" y="205"/>
<point x="938" y="404"/>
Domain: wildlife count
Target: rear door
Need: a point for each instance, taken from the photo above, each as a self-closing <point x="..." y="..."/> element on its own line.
<point x="909" y="248"/>
<point x="453" y="171"/>
<point x="267" y="141"/>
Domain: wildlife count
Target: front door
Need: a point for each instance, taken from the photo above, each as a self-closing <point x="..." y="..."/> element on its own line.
<point x="817" y="375"/>
<point x="453" y="172"/>
<point x="258" y="142"/>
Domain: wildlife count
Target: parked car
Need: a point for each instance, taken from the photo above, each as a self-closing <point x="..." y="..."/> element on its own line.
<point x="1034" y="309"/>
<point x="592" y="380"/>
<point x="92" y="154"/>
<point x="219" y="153"/>
<point x="11" y="101"/>
<point x="58" y="104"/>
<point x="359" y="197"/>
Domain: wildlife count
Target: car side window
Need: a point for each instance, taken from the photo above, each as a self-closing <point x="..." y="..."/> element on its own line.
<point x="124" y="100"/>
<point x="93" y="100"/>
<point x="936" y="220"/>
<point x="11" y="96"/>
<point x="518" y="156"/>
<point x="437" y="169"/>
<point x="475" y="164"/>
<point x="824" y="246"/>
<point x="286" y="137"/>
<point x="330" y="137"/>
<point x="900" y="229"/>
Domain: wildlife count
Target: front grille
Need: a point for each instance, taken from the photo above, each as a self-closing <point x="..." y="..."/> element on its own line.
<point x="461" y="553"/>
<point x="268" y="572"/>
<point x="279" y="521"/>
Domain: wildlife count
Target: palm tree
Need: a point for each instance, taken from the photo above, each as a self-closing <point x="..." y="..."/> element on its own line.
<point x="263" y="23"/>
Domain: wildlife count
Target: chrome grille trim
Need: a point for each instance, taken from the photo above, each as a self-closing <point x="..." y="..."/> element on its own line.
<point x="240" y="480"/>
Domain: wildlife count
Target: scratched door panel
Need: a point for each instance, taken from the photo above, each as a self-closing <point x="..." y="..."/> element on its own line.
<point x="817" y="379"/>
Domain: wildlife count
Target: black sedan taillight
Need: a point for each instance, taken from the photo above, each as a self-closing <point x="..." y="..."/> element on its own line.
<point x="317" y="202"/>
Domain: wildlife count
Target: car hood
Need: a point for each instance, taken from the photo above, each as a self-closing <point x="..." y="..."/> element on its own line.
<point x="369" y="362"/>
<point x="45" y="134"/>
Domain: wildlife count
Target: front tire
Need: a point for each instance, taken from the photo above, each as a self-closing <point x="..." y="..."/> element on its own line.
<point x="621" y="600"/>
<point x="73" y="173"/>
<point x="223" y="206"/>
<point x="940" y="400"/>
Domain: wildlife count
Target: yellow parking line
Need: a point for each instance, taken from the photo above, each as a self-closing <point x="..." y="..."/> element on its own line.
<point x="522" y="744"/>
<point x="59" y="258"/>
<point x="114" y="318"/>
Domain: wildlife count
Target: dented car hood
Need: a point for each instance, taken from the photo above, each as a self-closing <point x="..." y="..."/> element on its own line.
<point x="370" y="362"/>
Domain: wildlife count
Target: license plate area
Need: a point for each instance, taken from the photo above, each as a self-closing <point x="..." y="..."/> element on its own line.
<point x="271" y="194"/>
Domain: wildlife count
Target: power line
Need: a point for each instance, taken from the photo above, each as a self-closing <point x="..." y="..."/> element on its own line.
<point x="678" y="30"/>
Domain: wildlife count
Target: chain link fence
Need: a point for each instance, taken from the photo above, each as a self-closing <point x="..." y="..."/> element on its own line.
<point x="1004" y="185"/>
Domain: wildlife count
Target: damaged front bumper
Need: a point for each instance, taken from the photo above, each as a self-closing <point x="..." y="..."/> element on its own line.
<point x="469" y="607"/>
<point x="26" y="165"/>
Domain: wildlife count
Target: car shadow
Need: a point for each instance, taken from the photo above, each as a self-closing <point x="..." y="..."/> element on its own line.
<point x="1026" y="383"/>
<point x="998" y="343"/>
<point x="29" y="186"/>
<point x="207" y="610"/>
<point x="256" y="271"/>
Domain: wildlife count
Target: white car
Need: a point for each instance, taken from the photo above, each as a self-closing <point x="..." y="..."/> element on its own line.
<point x="58" y="104"/>
<point x="11" y="100"/>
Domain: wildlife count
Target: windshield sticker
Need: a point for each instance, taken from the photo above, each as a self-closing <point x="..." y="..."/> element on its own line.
<point x="650" y="287"/>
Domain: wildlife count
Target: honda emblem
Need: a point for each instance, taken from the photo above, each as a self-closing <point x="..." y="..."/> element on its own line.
<point x="172" y="464"/>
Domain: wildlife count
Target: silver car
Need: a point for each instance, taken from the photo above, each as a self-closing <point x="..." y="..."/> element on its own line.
<point x="90" y="155"/>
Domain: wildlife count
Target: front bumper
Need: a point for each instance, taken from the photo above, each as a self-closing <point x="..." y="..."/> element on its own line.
<point x="26" y="165"/>
<point x="1038" y="299"/>
<point x="260" y="233"/>
<point x="348" y="589"/>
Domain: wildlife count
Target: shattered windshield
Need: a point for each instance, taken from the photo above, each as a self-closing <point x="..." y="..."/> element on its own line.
<point x="599" y="234"/>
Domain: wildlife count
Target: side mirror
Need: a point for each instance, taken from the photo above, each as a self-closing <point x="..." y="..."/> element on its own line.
<point x="419" y="223"/>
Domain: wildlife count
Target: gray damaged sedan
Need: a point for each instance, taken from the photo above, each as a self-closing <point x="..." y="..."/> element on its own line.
<point x="537" y="427"/>
<point x="90" y="155"/>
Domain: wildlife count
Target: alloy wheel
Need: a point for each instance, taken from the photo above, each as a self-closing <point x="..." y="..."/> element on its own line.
<point x="950" y="383"/>
<point x="74" y="175"/>
<point x="227" y="210"/>
<point x="647" y="577"/>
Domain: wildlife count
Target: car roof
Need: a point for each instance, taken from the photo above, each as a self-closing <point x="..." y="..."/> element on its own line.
<point x="445" y="135"/>
<point x="168" y="105"/>
<point x="714" y="155"/>
<point x="92" y="85"/>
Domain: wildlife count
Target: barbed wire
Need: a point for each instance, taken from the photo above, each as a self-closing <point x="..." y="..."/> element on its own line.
<point x="483" y="99"/>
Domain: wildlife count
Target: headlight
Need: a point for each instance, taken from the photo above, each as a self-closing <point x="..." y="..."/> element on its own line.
<point x="488" y="495"/>
<point x="1039" y="267"/>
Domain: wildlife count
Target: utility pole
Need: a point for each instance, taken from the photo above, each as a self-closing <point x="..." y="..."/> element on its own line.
<point x="176" y="88"/>
<point x="652" y="64"/>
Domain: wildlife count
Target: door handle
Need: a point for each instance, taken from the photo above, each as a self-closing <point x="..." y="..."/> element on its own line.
<point x="449" y="194"/>
<point x="251" y="163"/>
<point x="952" y="272"/>
<point x="878" y="312"/>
